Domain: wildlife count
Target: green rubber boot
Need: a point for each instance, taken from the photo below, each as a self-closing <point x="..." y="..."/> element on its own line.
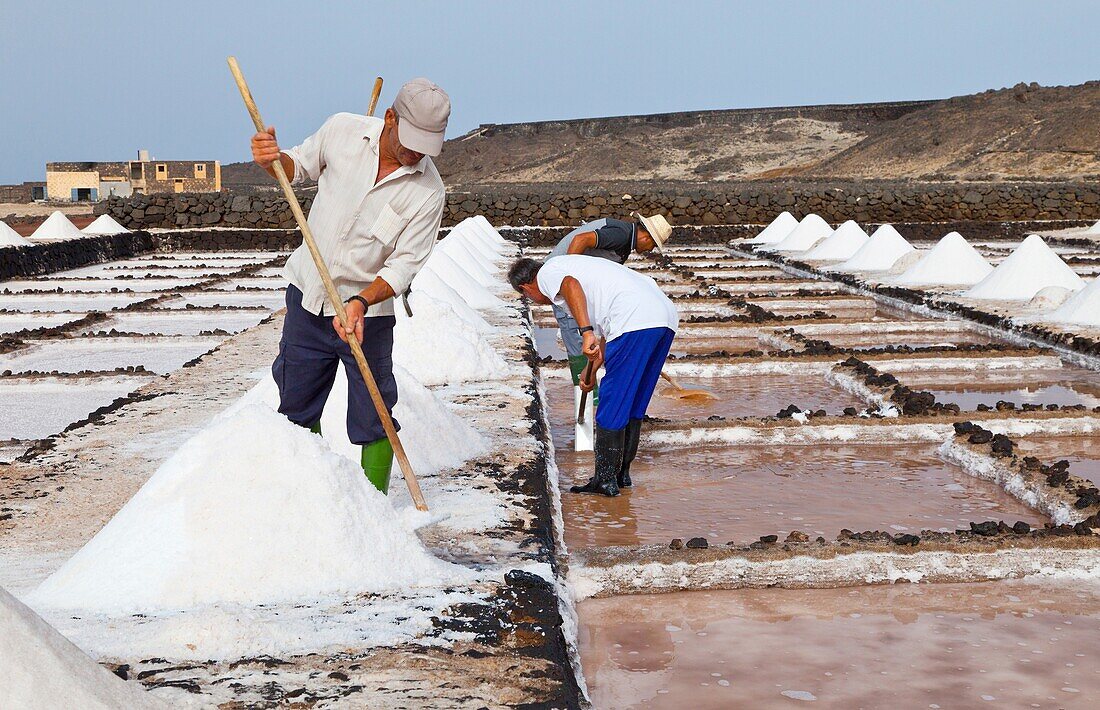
<point x="577" y="365"/>
<point x="316" y="428"/>
<point x="377" y="460"/>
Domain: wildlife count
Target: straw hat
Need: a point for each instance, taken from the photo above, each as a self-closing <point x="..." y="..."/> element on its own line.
<point x="658" y="228"/>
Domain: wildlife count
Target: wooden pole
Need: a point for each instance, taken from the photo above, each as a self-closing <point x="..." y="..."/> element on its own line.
<point x="374" y="96"/>
<point x="334" y="297"/>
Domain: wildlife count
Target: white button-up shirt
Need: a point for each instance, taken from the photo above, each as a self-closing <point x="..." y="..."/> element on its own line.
<point x="363" y="230"/>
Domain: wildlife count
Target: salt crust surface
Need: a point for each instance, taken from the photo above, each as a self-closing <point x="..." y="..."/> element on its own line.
<point x="1082" y="308"/>
<point x="880" y="253"/>
<point x="777" y="230"/>
<point x="844" y="242"/>
<point x="952" y="262"/>
<point x="42" y="670"/>
<point x="1031" y="267"/>
<point x="11" y="238"/>
<point x="208" y="525"/>
<point x="105" y="224"/>
<point x="57" y="226"/>
<point x="811" y="230"/>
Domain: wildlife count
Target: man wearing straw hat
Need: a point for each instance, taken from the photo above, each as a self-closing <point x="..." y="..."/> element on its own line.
<point x="612" y="239"/>
<point x="375" y="218"/>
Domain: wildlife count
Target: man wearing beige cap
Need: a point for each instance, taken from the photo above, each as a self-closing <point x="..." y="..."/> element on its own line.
<point x="375" y="219"/>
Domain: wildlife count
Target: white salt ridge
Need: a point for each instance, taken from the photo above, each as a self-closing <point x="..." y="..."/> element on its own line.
<point x="1094" y="229"/>
<point x="105" y="225"/>
<point x="475" y="243"/>
<point x="427" y="281"/>
<point x="881" y="251"/>
<point x="469" y="290"/>
<point x="952" y="262"/>
<point x="490" y="233"/>
<point x="208" y="527"/>
<point x="1082" y="308"/>
<point x="434" y="437"/>
<point x="777" y="229"/>
<point x="1030" y="268"/>
<point x="438" y="347"/>
<point x="57" y="226"/>
<point x="11" y="238"/>
<point x="462" y="261"/>
<point x="42" y="669"/>
<point x="811" y="230"/>
<point x="844" y="242"/>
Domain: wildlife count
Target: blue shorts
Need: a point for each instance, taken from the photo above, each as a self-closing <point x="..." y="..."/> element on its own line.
<point x="632" y="366"/>
<point x="309" y="353"/>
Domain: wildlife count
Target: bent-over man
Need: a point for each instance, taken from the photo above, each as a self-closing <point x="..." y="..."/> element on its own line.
<point x="626" y="324"/>
<point x="375" y="218"/>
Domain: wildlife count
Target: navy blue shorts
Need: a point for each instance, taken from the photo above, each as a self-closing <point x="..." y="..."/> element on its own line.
<point x="631" y="369"/>
<point x="305" y="369"/>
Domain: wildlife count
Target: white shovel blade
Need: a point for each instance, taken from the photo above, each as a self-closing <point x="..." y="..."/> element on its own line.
<point x="584" y="437"/>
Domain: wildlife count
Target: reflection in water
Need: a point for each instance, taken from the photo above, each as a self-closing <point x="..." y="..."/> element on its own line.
<point x="1082" y="452"/>
<point x="1003" y="644"/>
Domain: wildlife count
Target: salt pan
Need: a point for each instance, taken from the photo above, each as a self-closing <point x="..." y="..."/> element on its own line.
<point x="1082" y="308"/>
<point x="811" y="230"/>
<point x="1031" y="267"/>
<point x="884" y="248"/>
<point x="11" y="238"/>
<point x="42" y="669"/>
<point x="952" y="262"/>
<point x="249" y="489"/>
<point x="777" y="230"/>
<point x="845" y="241"/>
<point x="57" y="226"/>
<point x="105" y="224"/>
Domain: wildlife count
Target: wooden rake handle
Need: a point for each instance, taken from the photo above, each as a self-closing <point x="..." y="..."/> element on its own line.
<point x="374" y="94"/>
<point x="584" y="395"/>
<point x="334" y="297"/>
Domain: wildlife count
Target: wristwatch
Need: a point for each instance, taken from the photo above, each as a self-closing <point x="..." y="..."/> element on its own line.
<point x="357" y="297"/>
<point x="585" y="329"/>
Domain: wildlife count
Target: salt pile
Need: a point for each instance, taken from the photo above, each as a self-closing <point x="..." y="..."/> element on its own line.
<point x="57" y="226"/>
<point x="952" y="262"/>
<point x="427" y="281"/>
<point x="777" y="230"/>
<point x="207" y="527"/>
<point x="1049" y="297"/>
<point x="105" y="225"/>
<point x="1031" y="267"/>
<point x="438" y="347"/>
<point x="845" y="241"/>
<point x="811" y="230"/>
<point x="42" y="669"/>
<point x="454" y="257"/>
<point x="881" y="251"/>
<point x="11" y="238"/>
<point x="1094" y="229"/>
<point x="486" y="229"/>
<point x="1082" y="308"/>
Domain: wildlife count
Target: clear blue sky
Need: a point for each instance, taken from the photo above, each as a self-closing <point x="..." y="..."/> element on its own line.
<point x="98" y="80"/>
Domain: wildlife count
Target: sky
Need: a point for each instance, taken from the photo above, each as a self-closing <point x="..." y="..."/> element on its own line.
<point x="98" y="81"/>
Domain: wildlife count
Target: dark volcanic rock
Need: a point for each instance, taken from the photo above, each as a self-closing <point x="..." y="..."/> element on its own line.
<point x="697" y="543"/>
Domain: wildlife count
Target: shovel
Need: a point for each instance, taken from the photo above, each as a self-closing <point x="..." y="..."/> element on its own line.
<point x="688" y="393"/>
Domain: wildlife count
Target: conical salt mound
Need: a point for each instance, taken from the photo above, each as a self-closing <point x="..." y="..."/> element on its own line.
<point x="461" y="261"/>
<point x="473" y="293"/>
<point x="1094" y="229"/>
<point x="57" y="226"/>
<point x="468" y="232"/>
<point x="489" y="230"/>
<point x="880" y="253"/>
<point x="105" y="225"/>
<point x="811" y="230"/>
<point x="775" y="232"/>
<point x="439" y="348"/>
<point x="952" y="262"/>
<point x="11" y="238"/>
<point x="465" y="253"/>
<point x="251" y="510"/>
<point x="43" y="669"/>
<point x="845" y="241"/>
<point x="1030" y="268"/>
<point x="1082" y="308"/>
<point x="429" y="282"/>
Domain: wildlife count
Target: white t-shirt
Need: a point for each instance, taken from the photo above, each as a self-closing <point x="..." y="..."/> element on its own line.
<point x="620" y="300"/>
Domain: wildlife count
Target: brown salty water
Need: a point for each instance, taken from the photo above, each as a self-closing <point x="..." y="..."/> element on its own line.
<point x="1082" y="452"/>
<point x="1015" y="644"/>
<point x="1067" y="385"/>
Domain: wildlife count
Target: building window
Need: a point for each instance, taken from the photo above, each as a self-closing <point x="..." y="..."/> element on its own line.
<point x="177" y="184"/>
<point x="162" y="171"/>
<point x="136" y="171"/>
<point x="200" y="171"/>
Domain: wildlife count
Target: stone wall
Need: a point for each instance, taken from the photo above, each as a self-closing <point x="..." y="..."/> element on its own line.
<point x="18" y="262"/>
<point x="714" y="203"/>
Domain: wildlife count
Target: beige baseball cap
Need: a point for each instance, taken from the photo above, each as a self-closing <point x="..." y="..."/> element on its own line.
<point x="422" y="109"/>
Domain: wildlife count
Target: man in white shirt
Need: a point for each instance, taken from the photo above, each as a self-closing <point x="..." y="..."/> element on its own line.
<point x="375" y="219"/>
<point x="627" y="325"/>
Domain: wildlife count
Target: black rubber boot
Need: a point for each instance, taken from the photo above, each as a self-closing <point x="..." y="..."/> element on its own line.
<point x="630" y="450"/>
<point x="609" y="457"/>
